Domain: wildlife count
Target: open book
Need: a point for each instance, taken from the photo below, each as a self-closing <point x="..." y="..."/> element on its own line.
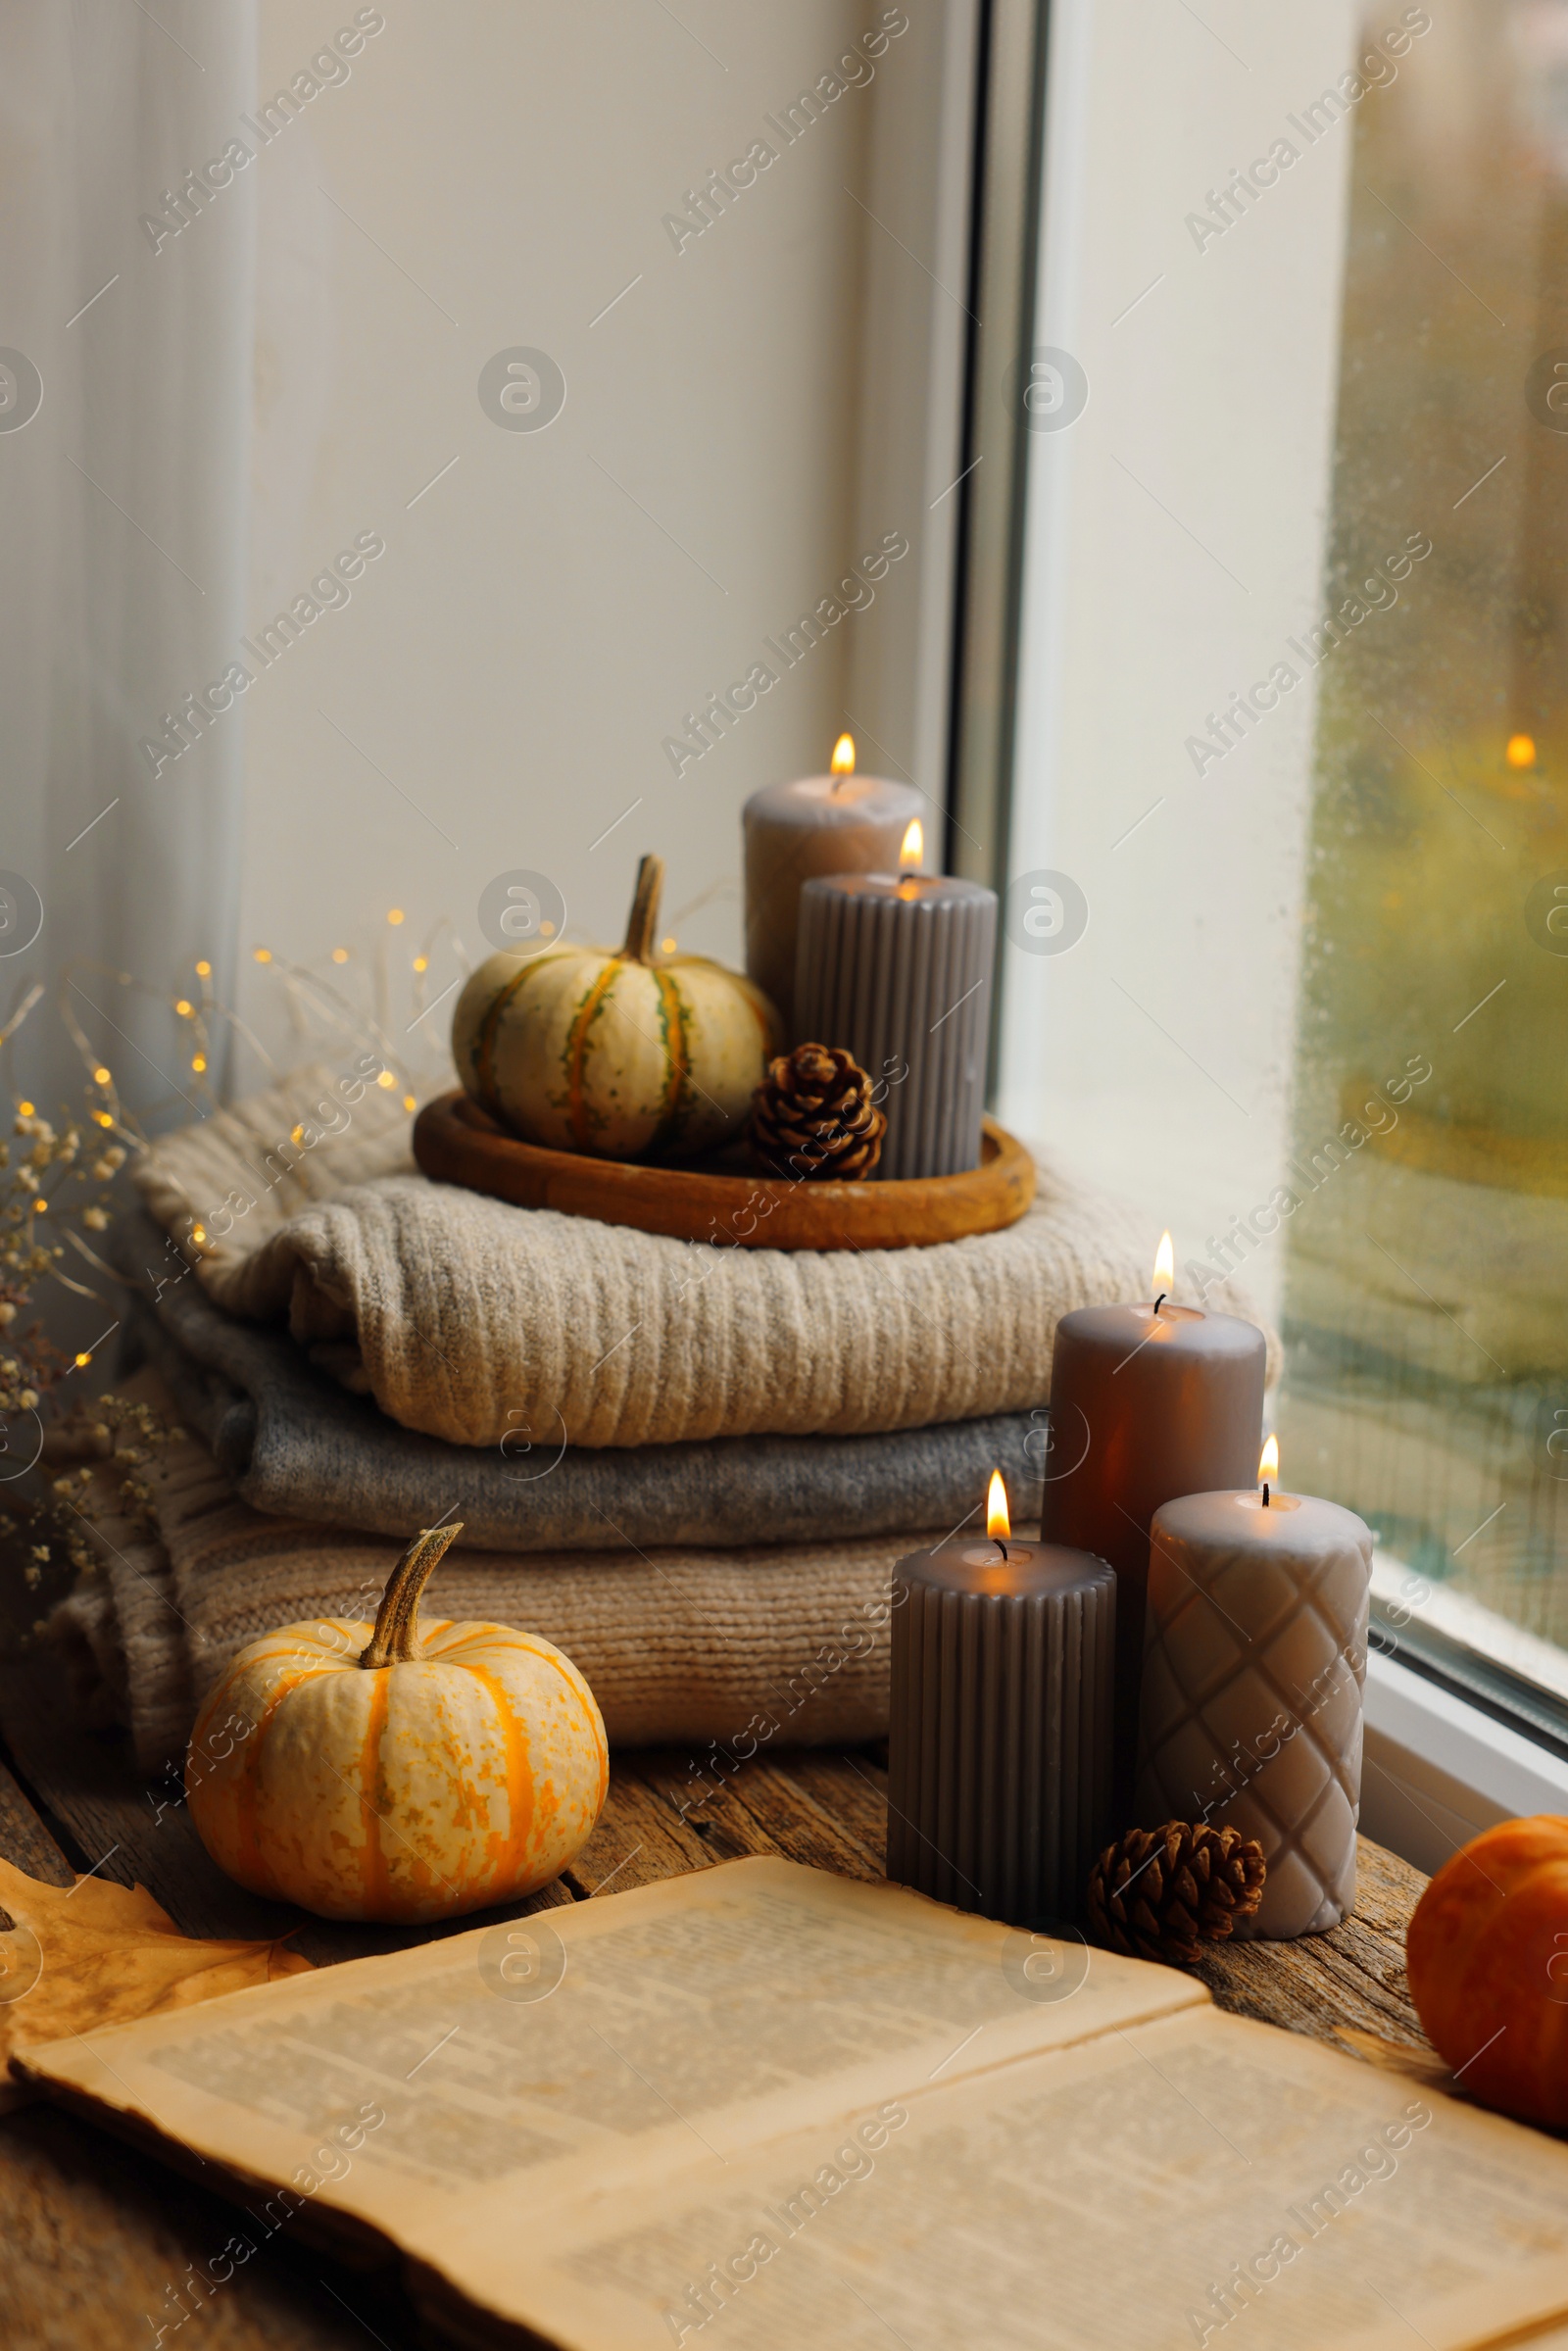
<point x="770" y="2109"/>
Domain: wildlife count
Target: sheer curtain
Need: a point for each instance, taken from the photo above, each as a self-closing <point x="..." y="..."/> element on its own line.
<point x="123" y="516"/>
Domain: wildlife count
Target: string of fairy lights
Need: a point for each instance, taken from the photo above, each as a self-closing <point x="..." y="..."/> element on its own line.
<point x="319" y="1010"/>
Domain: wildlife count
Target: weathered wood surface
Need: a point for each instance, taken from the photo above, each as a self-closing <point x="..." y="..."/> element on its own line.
<point x="95" y="2242"/>
<point x="98" y="2248"/>
<point x="1347" y="1986"/>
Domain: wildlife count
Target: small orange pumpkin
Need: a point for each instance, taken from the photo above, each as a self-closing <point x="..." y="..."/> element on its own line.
<point x="1486" y="1954"/>
<point x="397" y="1774"/>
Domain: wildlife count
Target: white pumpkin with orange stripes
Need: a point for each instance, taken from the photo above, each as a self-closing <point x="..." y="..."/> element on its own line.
<point x="626" y="1053"/>
<point x="395" y="1772"/>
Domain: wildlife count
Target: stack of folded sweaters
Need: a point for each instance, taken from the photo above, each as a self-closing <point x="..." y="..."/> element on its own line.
<point x="693" y="1467"/>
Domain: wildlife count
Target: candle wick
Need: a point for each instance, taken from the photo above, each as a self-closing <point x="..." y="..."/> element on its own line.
<point x="1001" y="1548"/>
<point x="1160" y="1301"/>
<point x="1265" y="1494"/>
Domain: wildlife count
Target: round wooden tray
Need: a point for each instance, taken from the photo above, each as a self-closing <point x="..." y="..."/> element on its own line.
<point x="456" y="1142"/>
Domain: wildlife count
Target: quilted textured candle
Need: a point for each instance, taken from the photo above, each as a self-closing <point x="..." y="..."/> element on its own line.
<point x="1254" y="1661"/>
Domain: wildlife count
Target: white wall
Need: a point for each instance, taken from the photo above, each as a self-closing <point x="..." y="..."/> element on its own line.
<point x="496" y="694"/>
<point x="1175" y="543"/>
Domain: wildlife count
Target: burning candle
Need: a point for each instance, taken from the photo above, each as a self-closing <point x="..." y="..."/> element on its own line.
<point x="896" y="968"/>
<point x="998" y="1749"/>
<point x="1148" y="1402"/>
<point x="1252" y="1693"/>
<point x="836" y="823"/>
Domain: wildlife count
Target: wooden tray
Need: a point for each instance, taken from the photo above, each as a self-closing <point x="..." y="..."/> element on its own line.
<point x="456" y="1142"/>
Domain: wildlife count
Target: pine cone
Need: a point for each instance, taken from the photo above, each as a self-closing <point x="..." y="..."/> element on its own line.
<point x="813" y="1118"/>
<point x="1163" y="1893"/>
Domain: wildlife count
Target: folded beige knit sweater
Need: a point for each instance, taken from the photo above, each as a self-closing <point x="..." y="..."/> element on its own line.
<point x="469" y="1319"/>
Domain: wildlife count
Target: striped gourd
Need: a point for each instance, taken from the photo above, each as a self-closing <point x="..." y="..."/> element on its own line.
<point x="397" y="1772"/>
<point x="625" y="1054"/>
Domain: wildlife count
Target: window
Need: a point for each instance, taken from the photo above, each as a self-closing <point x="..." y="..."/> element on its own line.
<point x="1425" y="1301"/>
<point x="1294" y="725"/>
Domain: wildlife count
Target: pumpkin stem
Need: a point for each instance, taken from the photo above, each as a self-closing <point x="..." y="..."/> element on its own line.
<point x="395" y="1639"/>
<point x="643" y="926"/>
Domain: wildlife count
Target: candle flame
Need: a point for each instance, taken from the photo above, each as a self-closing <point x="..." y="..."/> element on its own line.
<point x="1164" y="1266"/>
<point x="1268" y="1467"/>
<point x="842" y="759"/>
<point x="999" y="1526"/>
<point x="912" y="854"/>
<point x="1521" y="751"/>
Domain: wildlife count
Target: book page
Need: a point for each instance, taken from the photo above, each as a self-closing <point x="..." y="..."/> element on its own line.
<point x="1202" y="2180"/>
<point x="432" y="2093"/>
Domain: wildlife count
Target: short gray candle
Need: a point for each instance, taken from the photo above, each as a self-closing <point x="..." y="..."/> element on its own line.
<point x="999" y="1752"/>
<point x="897" y="970"/>
<point x="1252" y="1696"/>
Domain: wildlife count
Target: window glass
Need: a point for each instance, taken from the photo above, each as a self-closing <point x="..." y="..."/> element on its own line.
<point x="1426" y="1296"/>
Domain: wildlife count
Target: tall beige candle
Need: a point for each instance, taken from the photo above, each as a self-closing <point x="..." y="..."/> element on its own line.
<point x="838" y="823"/>
<point x="1253" y="1667"/>
<point x="1146" y="1402"/>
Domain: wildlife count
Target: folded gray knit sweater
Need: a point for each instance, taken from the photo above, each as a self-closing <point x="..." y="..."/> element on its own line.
<point x="293" y="1441"/>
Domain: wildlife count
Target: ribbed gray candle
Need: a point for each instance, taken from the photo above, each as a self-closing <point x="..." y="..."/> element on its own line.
<point x="999" y="1750"/>
<point x="897" y="973"/>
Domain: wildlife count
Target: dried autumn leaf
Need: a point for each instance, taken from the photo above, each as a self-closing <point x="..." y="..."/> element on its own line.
<point x="95" y="1953"/>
